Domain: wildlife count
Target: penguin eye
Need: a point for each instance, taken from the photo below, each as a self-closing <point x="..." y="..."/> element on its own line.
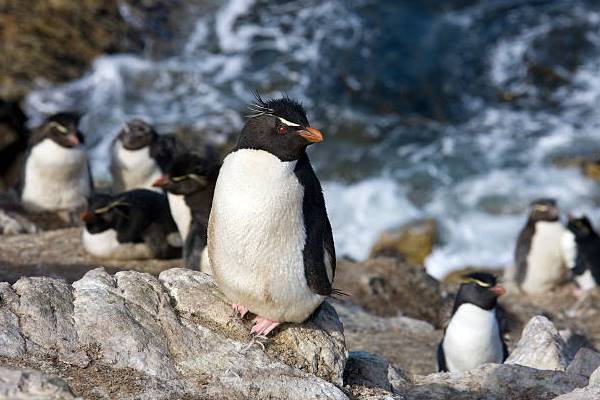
<point x="282" y="130"/>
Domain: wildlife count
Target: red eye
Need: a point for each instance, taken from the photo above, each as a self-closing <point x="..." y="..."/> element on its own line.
<point x="282" y="130"/>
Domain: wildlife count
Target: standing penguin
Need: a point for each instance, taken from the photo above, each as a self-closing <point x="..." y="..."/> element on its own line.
<point x="140" y="156"/>
<point x="131" y="225"/>
<point x="190" y="184"/>
<point x="270" y="244"/>
<point x="473" y="336"/>
<point x="56" y="175"/>
<point x="585" y="263"/>
<point x="541" y="257"/>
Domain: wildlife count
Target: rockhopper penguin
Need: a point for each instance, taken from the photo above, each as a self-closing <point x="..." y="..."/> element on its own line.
<point x="473" y="336"/>
<point x="132" y="225"/>
<point x="56" y="176"/>
<point x="140" y="156"/>
<point x="269" y="238"/>
<point x="585" y="263"/>
<point x="190" y="184"/>
<point x="542" y="253"/>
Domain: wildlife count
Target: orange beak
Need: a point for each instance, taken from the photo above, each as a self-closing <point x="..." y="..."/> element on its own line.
<point x="86" y="216"/>
<point x="498" y="290"/>
<point x="162" y="181"/>
<point x="73" y="140"/>
<point x="312" y="135"/>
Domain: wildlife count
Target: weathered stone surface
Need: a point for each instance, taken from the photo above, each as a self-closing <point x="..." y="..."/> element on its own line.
<point x="32" y="385"/>
<point x="595" y="378"/>
<point x="492" y="381"/>
<point x="317" y="346"/>
<point x="13" y="224"/>
<point x="388" y="287"/>
<point x="586" y="361"/>
<point x="367" y="369"/>
<point x="12" y="344"/>
<point x="540" y="346"/>
<point x="412" y="242"/>
<point x="587" y="393"/>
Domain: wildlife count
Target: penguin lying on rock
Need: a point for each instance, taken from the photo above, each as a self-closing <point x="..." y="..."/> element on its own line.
<point x="140" y="156"/>
<point x="473" y="336"/>
<point x="585" y="264"/>
<point x="56" y="175"/>
<point x="190" y="184"/>
<point x="543" y="250"/>
<point x="132" y="225"/>
<point x="269" y="238"/>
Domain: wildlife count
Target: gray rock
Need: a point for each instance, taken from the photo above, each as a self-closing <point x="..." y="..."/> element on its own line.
<point x="12" y="344"/>
<point x="32" y="385"/>
<point x="14" y="224"/>
<point x="492" y="381"/>
<point x="540" y="346"/>
<point x="595" y="378"/>
<point x="588" y="393"/>
<point x="368" y="370"/>
<point x="586" y="361"/>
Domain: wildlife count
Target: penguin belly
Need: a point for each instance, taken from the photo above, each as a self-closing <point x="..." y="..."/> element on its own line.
<point x="133" y="169"/>
<point x="106" y="245"/>
<point x="546" y="262"/>
<point x="472" y="339"/>
<point x="181" y="213"/>
<point x="56" y="178"/>
<point x="256" y="237"/>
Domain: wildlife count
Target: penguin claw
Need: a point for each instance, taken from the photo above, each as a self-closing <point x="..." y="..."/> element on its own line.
<point x="262" y="326"/>
<point x="239" y="309"/>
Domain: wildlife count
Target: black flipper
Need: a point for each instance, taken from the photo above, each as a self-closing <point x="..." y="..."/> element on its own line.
<point x="441" y="357"/>
<point x="500" y="330"/>
<point x="319" y="238"/>
<point x="194" y="244"/>
<point x="522" y="251"/>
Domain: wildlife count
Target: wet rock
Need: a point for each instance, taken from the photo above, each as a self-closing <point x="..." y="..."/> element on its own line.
<point x="412" y="242"/>
<point x="56" y="40"/>
<point x="13" y="224"/>
<point x="30" y="384"/>
<point x="541" y="347"/>
<point x="388" y="287"/>
<point x="492" y="381"/>
<point x="584" y="364"/>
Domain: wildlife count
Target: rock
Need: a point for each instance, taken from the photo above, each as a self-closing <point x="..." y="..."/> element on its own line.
<point x="130" y="325"/>
<point x="317" y="346"/>
<point x="540" y="346"/>
<point x="492" y="381"/>
<point x="372" y="371"/>
<point x="13" y="224"/>
<point x="588" y="393"/>
<point x="387" y="287"/>
<point x="56" y="40"/>
<point x="595" y="378"/>
<point x="412" y="242"/>
<point x="34" y="385"/>
<point x="586" y="361"/>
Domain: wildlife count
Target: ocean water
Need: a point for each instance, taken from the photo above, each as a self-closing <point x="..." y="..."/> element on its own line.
<point x="454" y="110"/>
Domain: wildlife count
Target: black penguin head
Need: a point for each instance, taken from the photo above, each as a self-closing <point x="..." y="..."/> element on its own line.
<point x="280" y="127"/>
<point x="101" y="213"/>
<point x="61" y="128"/>
<point x="137" y="134"/>
<point x="581" y="227"/>
<point x="480" y="289"/>
<point x="544" y="210"/>
<point x="187" y="174"/>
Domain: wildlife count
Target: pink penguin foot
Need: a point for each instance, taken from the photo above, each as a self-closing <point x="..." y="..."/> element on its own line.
<point x="239" y="309"/>
<point x="263" y="326"/>
<point x="579" y="293"/>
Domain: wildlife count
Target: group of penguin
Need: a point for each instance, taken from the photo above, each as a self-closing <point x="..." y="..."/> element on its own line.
<point x="160" y="202"/>
<point x="257" y="221"/>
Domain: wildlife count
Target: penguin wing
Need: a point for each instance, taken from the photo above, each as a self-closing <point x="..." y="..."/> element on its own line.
<point x="522" y="252"/>
<point x="441" y="357"/>
<point x="319" y="249"/>
<point x="500" y="319"/>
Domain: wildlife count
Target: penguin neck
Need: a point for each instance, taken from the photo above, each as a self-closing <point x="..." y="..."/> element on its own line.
<point x="199" y="202"/>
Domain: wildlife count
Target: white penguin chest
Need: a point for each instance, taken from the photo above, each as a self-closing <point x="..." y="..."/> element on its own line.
<point x="106" y="245"/>
<point x="472" y="338"/>
<point x="257" y="235"/>
<point x="56" y="177"/>
<point x="547" y="260"/>
<point x="134" y="168"/>
<point x="181" y="213"/>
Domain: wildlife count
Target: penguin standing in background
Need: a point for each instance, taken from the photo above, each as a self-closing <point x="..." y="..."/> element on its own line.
<point x="473" y="336"/>
<point x="56" y="174"/>
<point x="132" y="225"/>
<point x="190" y="184"/>
<point x="585" y="263"/>
<point x="541" y="254"/>
<point x="270" y="243"/>
<point x="140" y="156"/>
